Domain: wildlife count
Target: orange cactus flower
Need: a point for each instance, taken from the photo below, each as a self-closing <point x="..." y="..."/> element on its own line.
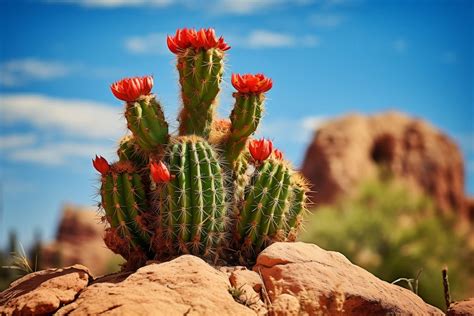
<point x="185" y="38"/>
<point x="101" y="164"/>
<point x="130" y="89"/>
<point x="249" y="83"/>
<point x="159" y="172"/>
<point x="260" y="149"/>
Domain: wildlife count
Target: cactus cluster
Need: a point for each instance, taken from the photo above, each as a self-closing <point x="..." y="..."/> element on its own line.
<point x="212" y="190"/>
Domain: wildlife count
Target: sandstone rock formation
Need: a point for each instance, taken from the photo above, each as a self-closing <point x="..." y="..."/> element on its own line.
<point x="289" y="279"/>
<point x="43" y="292"/>
<point x="353" y="148"/>
<point x="461" y="308"/>
<point x="79" y="240"/>
<point x="328" y="283"/>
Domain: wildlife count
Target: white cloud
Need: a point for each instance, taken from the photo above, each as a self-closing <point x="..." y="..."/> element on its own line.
<point x="270" y="39"/>
<point x="17" y="140"/>
<point x="238" y="7"/>
<point x="154" y="43"/>
<point x="16" y="72"/>
<point x="326" y="20"/>
<point x="116" y="3"/>
<point x="80" y="118"/>
<point x="57" y="153"/>
<point x="291" y="130"/>
<point x="253" y="6"/>
<point x="400" y="45"/>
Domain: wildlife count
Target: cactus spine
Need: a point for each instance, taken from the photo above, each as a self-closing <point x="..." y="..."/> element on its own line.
<point x="212" y="190"/>
<point x="146" y="120"/>
<point x="125" y="204"/>
<point x="200" y="76"/>
<point x="245" y="117"/>
<point x="193" y="206"/>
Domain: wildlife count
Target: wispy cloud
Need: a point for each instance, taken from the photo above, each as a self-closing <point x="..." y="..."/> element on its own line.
<point x="62" y="129"/>
<point x="253" y="6"/>
<point x="326" y="20"/>
<point x="79" y="118"/>
<point x="17" y="140"/>
<point x="400" y="45"/>
<point x="154" y="43"/>
<point x="292" y="130"/>
<point x="57" y="153"/>
<point x="234" y="7"/>
<point x="19" y="71"/>
<point x="270" y="39"/>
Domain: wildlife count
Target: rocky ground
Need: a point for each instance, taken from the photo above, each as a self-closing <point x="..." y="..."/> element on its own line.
<point x="288" y="279"/>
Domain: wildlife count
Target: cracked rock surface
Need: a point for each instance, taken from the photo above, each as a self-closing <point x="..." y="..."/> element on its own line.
<point x="288" y="279"/>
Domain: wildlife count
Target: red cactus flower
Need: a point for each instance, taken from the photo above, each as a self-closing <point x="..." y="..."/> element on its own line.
<point x="159" y="172"/>
<point x="278" y="154"/>
<point x="249" y="83"/>
<point x="130" y="89"/>
<point x="101" y="164"/>
<point x="185" y="38"/>
<point x="260" y="149"/>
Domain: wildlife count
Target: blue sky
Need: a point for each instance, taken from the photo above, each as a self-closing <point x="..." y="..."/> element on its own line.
<point x="326" y="57"/>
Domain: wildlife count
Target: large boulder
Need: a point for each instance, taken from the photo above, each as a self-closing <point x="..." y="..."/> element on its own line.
<point x="288" y="279"/>
<point x="353" y="148"/>
<point x="321" y="281"/>
<point x="43" y="292"/>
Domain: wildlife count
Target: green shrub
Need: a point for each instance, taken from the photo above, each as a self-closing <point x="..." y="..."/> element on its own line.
<point x="394" y="233"/>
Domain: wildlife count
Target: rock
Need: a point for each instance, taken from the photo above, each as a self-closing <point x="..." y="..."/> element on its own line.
<point x="43" y="292"/>
<point x="240" y="277"/>
<point x="298" y="278"/>
<point x="80" y="240"/>
<point x="351" y="149"/>
<point x="249" y="284"/>
<point x="186" y="285"/>
<point x="286" y="305"/>
<point x="326" y="282"/>
<point x="461" y="308"/>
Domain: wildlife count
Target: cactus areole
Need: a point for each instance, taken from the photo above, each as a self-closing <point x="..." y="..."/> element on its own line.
<point x="212" y="190"/>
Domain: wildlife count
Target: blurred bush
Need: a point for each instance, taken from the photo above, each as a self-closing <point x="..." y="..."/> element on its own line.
<point x="395" y="233"/>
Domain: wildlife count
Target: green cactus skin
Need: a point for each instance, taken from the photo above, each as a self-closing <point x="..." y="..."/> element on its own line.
<point x="271" y="210"/>
<point x="245" y="117"/>
<point x="298" y="206"/>
<point x="193" y="206"/>
<point x="129" y="150"/>
<point x="147" y="122"/>
<point x="267" y="200"/>
<point x="125" y="203"/>
<point x="200" y="75"/>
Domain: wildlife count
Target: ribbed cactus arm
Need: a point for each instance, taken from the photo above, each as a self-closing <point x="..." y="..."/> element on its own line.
<point x="147" y="122"/>
<point x="200" y="73"/>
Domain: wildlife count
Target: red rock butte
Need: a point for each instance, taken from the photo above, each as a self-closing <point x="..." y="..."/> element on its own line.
<point x="350" y="149"/>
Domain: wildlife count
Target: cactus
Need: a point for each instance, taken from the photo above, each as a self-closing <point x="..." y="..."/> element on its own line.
<point x="212" y="190"/>
<point x="192" y="206"/>
<point x="124" y="201"/>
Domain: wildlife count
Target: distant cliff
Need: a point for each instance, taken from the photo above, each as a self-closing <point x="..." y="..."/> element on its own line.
<point x="350" y="149"/>
<point x="79" y="239"/>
